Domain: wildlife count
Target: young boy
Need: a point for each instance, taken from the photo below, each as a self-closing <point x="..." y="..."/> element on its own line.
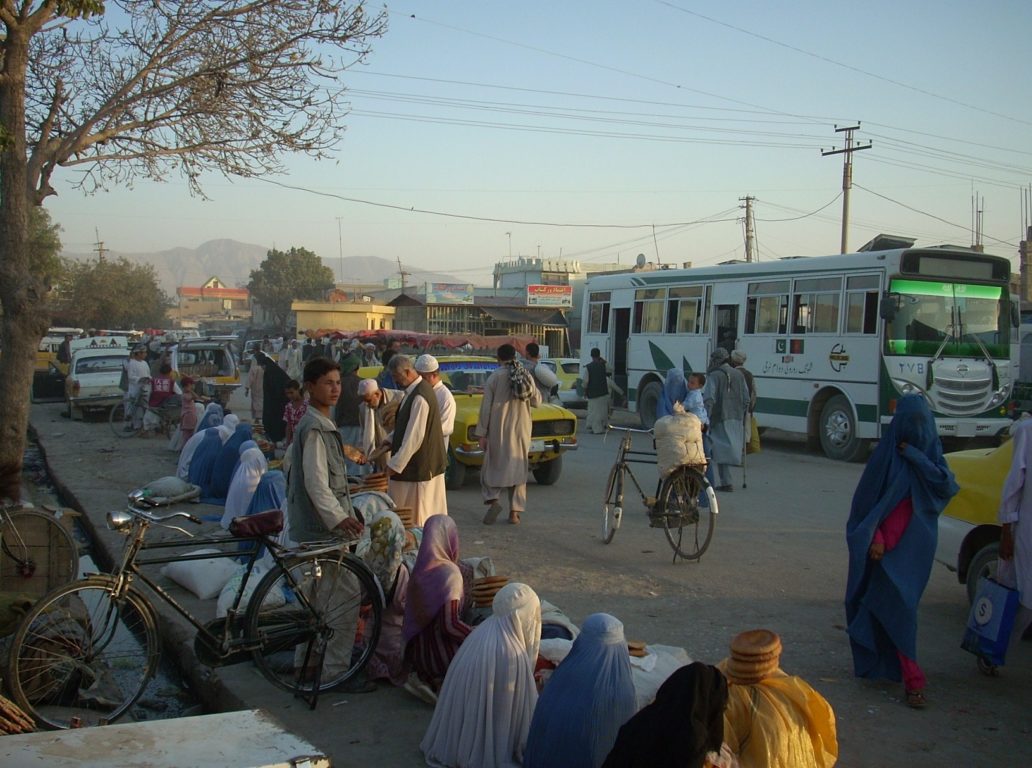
<point x="319" y="507"/>
<point x="693" y="403"/>
<point x="296" y="406"/>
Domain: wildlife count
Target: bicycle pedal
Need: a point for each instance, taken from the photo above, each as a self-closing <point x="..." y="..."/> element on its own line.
<point x="650" y="501"/>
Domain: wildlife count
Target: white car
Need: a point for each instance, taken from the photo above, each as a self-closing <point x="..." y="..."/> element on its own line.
<point x="567" y="369"/>
<point x="94" y="374"/>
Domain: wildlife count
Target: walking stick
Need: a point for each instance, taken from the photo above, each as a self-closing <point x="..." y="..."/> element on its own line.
<point x="745" y="443"/>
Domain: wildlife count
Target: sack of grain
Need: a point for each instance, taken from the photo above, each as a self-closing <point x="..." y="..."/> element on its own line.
<point x="678" y="441"/>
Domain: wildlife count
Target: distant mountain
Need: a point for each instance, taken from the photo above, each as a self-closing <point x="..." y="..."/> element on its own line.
<point x="232" y="262"/>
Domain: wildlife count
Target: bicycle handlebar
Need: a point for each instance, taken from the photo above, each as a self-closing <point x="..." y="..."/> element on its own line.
<point x="628" y="429"/>
<point x="151" y="517"/>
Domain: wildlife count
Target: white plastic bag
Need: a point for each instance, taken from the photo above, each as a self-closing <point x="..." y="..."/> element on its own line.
<point x="678" y="441"/>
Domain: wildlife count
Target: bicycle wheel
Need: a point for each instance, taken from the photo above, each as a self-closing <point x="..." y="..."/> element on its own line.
<point x="122" y="425"/>
<point x="687" y="525"/>
<point x="83" y="653"/>
<point x="316" y="622"/>
<point x="39" y="553"/>
<point x="612" y="507"/>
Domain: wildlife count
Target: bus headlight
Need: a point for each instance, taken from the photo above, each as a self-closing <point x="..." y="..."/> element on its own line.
<point x="907" y="387"/>
<point x="998" y="397"/>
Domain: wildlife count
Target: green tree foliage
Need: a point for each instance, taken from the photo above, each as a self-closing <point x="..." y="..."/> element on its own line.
<point x="44" y="245"/>
<point x="112" y="293"/>
<point x="288" y="276"/>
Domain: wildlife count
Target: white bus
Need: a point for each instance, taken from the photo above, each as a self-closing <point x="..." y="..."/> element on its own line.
<point x="833" y="341"/>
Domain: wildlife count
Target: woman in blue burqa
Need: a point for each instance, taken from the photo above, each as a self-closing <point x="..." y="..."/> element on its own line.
<point x="891" y="535"/>
<point x="675" y="390"/>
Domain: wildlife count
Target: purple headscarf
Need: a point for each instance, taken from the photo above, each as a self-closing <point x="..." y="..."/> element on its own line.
<point x="436" y="579"/>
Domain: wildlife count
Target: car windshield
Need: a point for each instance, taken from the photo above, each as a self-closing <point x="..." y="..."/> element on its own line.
<point x="571" y="367"/>
<point x="960" y="318"/>
<point x="105" y="364"/>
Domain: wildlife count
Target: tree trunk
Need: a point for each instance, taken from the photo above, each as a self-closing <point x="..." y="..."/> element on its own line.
<point x="23" y="296"/>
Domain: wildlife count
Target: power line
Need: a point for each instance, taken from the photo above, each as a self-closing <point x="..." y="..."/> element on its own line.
<point x="850" y="67"/>
<point x="805" y="215"/>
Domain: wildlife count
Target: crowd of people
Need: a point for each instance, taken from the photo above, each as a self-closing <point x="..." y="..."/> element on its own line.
<point x="482" y="669"/>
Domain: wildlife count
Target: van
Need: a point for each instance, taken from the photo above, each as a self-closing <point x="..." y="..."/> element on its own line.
<point x="94" y="374"/>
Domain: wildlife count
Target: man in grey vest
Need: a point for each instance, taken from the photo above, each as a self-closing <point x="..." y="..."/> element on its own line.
<point x="596" y="390"/>
<point x="417" y="463"/>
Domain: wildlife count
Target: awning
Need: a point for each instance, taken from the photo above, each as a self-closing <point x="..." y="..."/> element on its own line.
<point x="518" y="315"/>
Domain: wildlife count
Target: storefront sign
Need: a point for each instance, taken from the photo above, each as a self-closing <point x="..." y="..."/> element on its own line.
<point x="549" y="295"/>
<point x="449" y="293"/>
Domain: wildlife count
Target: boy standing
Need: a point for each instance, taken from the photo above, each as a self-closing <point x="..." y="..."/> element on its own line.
<point x="694" y="403"/>
<point x="319" y="508"/>
<point x="296" y="406"/>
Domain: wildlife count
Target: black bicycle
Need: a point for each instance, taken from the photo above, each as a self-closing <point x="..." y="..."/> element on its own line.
<point x="676" y="508"/>
<point x="87" y="650"/>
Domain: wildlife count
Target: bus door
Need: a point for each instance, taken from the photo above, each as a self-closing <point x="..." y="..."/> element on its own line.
<point x="725" y="326"/>
<point x="620" y="333"/>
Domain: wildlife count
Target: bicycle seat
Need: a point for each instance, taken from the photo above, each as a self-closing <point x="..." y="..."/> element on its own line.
<point x="258" y="524"/>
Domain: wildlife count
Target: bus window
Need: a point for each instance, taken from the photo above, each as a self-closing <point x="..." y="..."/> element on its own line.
<point x="767" y="310"/>
<point x="685" y="313"/>
<point x="648" y="310"/>
<point x="862" y="304"/>
<point x="816" y="305"/>
<point x="598" y="312"/>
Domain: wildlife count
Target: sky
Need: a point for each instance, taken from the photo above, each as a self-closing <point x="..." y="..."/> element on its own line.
<point x="492" y="127"/>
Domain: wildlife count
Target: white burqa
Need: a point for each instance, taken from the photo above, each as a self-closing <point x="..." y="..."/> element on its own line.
<point x="1016" y="509"/>
<point x="428" y="497"/>
<point x="484" y="710"/>
<point x="242" y="487"/>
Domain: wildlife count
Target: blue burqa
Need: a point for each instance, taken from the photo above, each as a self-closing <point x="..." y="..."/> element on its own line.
<point x="203" y="460"/>
<point x="675" y="390"/>
<point x="270" y="493"/>
<point x="212" y="417"/>
<point x="586" y="700"/>
<point x="882" y="595"/>
<point x="225" y="465"/>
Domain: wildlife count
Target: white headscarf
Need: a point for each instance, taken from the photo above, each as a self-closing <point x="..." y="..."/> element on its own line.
<point x="245" y="480"/>
<point x="186" y="456"/>
<point x="487" y="701"/>
<point x="228" y="427"/>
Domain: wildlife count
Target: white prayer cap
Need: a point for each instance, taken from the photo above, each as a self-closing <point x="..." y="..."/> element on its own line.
<point x="426" y="364"/>
<point x="367" y="386"/>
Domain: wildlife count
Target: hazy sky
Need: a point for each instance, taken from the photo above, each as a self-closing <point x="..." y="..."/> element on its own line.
<point x="650" y="113"/>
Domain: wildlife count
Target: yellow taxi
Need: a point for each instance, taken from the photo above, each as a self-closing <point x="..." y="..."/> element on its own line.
<point x="969" y="533"/>
<point x="554" y="430"/>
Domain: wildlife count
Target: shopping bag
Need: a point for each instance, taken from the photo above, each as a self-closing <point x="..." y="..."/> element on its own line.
<point x="753" y="446"/>
<point x="991" y="621"/>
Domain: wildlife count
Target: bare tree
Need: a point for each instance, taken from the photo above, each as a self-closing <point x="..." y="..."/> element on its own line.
<point x="124" y="90"/>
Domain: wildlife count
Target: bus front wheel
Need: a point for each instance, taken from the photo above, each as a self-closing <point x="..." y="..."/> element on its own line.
<point x="837" y="431"/>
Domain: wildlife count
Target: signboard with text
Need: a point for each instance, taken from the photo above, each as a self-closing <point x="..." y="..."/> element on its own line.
<point x="449" y="293"/>
<point x="549" y="295"/>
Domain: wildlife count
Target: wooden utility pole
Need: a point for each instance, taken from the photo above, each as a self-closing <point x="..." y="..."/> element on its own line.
<point x="100" y="250"/>
<point x="847" y="176"/>
<point x="750" y="229"/>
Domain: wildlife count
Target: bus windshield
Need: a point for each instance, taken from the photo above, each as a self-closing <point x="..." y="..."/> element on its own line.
<point x="963" y="320"/>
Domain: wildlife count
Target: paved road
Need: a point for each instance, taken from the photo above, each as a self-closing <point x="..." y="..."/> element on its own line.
<point x="777" y="561"/>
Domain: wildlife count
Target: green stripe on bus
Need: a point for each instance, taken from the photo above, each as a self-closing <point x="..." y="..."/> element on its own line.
<point x="783" y="407"/>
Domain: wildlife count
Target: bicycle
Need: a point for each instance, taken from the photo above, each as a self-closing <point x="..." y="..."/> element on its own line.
<point x="123" y="421"/>
<point x="675" y="508"/>
<point x="86" y="651"/>
<point x="39" y="553"/>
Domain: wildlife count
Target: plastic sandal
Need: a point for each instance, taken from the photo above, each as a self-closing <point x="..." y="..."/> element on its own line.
<point x="916" y="700"/>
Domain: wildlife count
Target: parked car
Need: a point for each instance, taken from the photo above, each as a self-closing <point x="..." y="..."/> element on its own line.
<point x="554" y="430"/>
<point x="567" y="369"/>
<point x="969" y="534"/>
<point x="94" y="374"/>
<point x="212" y="362"/>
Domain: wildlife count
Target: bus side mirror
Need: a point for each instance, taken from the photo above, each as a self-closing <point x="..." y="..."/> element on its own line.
<point x="887" y="308"/>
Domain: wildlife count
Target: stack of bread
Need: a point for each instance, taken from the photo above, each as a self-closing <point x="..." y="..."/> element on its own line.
<point x="485" y="589"/>
<point x="637" y="648"/>
<point x="377" y="481"/>
<point x="407" y="516"/>
<point x="755" y="655"/>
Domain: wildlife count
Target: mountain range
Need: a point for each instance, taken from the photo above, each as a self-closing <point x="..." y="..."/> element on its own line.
<point x="232" y="261"/>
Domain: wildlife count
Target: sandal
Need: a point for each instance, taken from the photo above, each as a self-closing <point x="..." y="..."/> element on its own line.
<point x="514" y="518"/>
<point x="916" y="700"/>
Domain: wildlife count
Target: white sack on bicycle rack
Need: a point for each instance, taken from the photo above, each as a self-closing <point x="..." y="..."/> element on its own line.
<point x="678" y="441"/>
<point x="205" y="578"/>
<point x="274" y="599"/>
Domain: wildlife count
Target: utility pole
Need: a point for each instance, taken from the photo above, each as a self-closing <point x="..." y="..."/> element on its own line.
<point x="403" y="273"/>
<point x="847" y="175"/>
<point x="750" y="229"/>
<point x="99" y="249"/>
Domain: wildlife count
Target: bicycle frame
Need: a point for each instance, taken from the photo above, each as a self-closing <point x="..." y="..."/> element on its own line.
<point x="626" y="449"/>
<point x="225" y="645"/>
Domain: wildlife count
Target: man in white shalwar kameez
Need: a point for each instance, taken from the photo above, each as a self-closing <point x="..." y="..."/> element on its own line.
<point x="417" y="464"/>
<point x="427" y="367"/>
<point x="372" y="432"/>
<point x="1015" y="564"/>
<point x="504" y="428"/>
